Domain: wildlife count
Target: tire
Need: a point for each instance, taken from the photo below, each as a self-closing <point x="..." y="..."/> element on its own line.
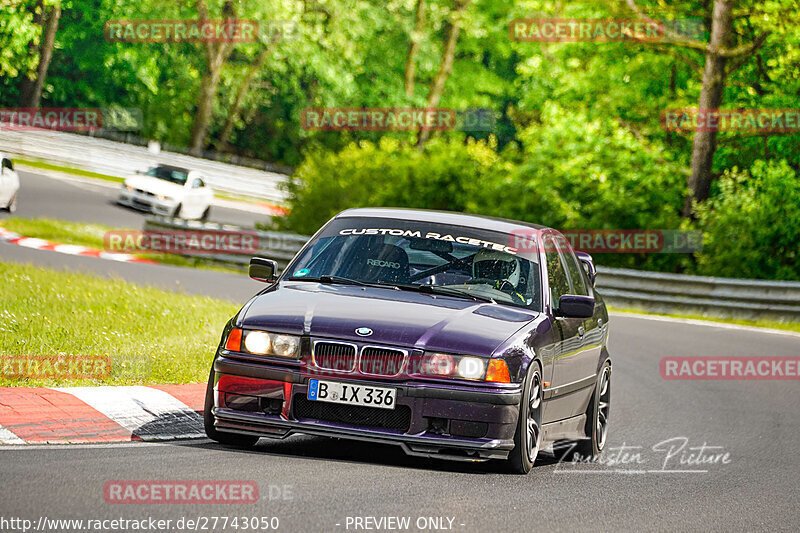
<point x="206" y="214"/>
<point x="176" y="213"/>
<point x="528" y="436"/>
<point x="227" y="439"/>
<point x="596" y="418"/>
<point x="12" y="205"/>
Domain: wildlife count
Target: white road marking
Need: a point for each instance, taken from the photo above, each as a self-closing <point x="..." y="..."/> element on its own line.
<point x="30" y="242"/>
<point x="707" y="323"/>
<point x="6" y="437"/>
<point x="190" y="441"/>
<point x="148" y="413"/>
<point x="71" y="249"/>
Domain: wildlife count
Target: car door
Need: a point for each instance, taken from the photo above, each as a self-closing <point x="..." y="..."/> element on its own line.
<point x="583" y="363"/>
<point x="560" y="404"/>
<point x="205" y="195"/>
<point x="191" y="197"/>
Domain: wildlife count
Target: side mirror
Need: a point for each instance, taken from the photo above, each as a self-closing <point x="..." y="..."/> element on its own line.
<point x="576" y="306"/>
<point x="263" y="269"/>
<point x="588" y="263"/>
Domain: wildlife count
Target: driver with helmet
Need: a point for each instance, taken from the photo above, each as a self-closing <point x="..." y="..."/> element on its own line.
<point x="500" y="270"/>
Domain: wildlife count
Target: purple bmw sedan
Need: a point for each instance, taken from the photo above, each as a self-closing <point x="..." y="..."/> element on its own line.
<point x="452" y="336"/>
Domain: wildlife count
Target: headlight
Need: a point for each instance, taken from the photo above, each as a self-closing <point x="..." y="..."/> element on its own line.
<point x="454" y="366"/>
<point x="263" y="343"/>
<point x="257" y="342"/>
<point x="470" y="368"/>
<point x="164" y="198"/>
<point x="128" y="187"/>
<point x="285" y="345"/>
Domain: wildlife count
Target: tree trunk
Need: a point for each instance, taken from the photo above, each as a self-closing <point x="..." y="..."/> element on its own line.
<point x="216" y="55"/>
<point x="205" y="106"/>
<point x="711" y="94"/>
<point x="446" y="65"/>
<point x="46" y="53"/>
<point x="413" y="48"/>
<point x="28" y="82"/>
<point x="233" y="112"/>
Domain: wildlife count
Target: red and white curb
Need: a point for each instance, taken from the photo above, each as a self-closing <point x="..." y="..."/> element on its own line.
<point x="101" y="414"/>
<point x="71" y="249"/>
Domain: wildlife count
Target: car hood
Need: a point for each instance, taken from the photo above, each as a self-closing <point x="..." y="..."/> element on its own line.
<point x="400" y="318"/>
<point x="154" y="185"/>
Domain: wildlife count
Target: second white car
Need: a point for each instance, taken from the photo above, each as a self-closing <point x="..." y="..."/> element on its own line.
<point x="170" y="191"/>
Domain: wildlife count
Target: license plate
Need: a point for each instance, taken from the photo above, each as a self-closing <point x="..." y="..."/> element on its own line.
<point x="350" y="394"/>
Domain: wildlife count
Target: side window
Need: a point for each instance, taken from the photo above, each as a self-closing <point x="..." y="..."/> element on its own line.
<point x="198" y="183"/>
<point x="575" y="274"/>
<point x="7" y="164"/>
<point x="556" y="275"/>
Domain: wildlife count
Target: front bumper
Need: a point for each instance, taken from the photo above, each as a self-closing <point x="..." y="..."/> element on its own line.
<point x="145" y="202"/>
<point x="448" y="422"/>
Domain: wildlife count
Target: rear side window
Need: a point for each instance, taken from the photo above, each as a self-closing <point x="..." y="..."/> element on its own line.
<point x="7" y="164"/>
<point x="556" y="274"/>
<point x="575" y="274"/>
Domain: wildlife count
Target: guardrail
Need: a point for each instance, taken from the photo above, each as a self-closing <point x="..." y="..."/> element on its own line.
<point x="729" y="297"/>
<point x="650" y="291"/>
<point x="121" y="160"/>
<point x="281" y="247"/>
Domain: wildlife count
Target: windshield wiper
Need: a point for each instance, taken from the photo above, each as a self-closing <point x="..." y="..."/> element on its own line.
<point x="447" y="291"/>
<point x="348" y="281"/>
<point x="427" y="289"/>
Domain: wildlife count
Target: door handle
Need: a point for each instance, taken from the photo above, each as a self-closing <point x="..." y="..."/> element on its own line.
<point x="581" y="331"/>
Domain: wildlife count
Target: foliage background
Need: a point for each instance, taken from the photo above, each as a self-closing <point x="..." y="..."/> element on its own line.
<point x="578" y="142"/>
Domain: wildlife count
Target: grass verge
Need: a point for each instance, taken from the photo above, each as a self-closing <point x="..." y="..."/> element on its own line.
<point x="151" y="336"/>
<point x="91" y="235"/>
<point x="68" y="170"/>
<point x="772" y="324"/>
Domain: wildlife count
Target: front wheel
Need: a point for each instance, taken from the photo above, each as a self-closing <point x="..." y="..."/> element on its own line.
<point x="528" y="437"/>
<point x="228" y="439"/>
<point x="12" y="205"/>
<point x="176" y="213"/>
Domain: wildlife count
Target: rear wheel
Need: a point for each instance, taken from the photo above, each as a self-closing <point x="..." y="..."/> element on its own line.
<point x="528" y="437"/>
<point x="206" y="214"/>
<point x="12" y="205"/>
<point x="596" y="418"/>
<point x="228" y="439"/>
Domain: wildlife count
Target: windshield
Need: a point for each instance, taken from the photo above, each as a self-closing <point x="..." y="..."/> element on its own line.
<point x="437" y="258"/>
<point x="173" y="174"/>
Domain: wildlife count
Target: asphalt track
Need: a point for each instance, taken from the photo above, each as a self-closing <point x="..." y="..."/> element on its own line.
<point x="86" y="200"/>
<point x="322" y="482"/>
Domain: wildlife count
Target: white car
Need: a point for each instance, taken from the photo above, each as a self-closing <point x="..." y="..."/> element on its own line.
<point x="9" y="184"/>
<point x="170" y="191"/>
